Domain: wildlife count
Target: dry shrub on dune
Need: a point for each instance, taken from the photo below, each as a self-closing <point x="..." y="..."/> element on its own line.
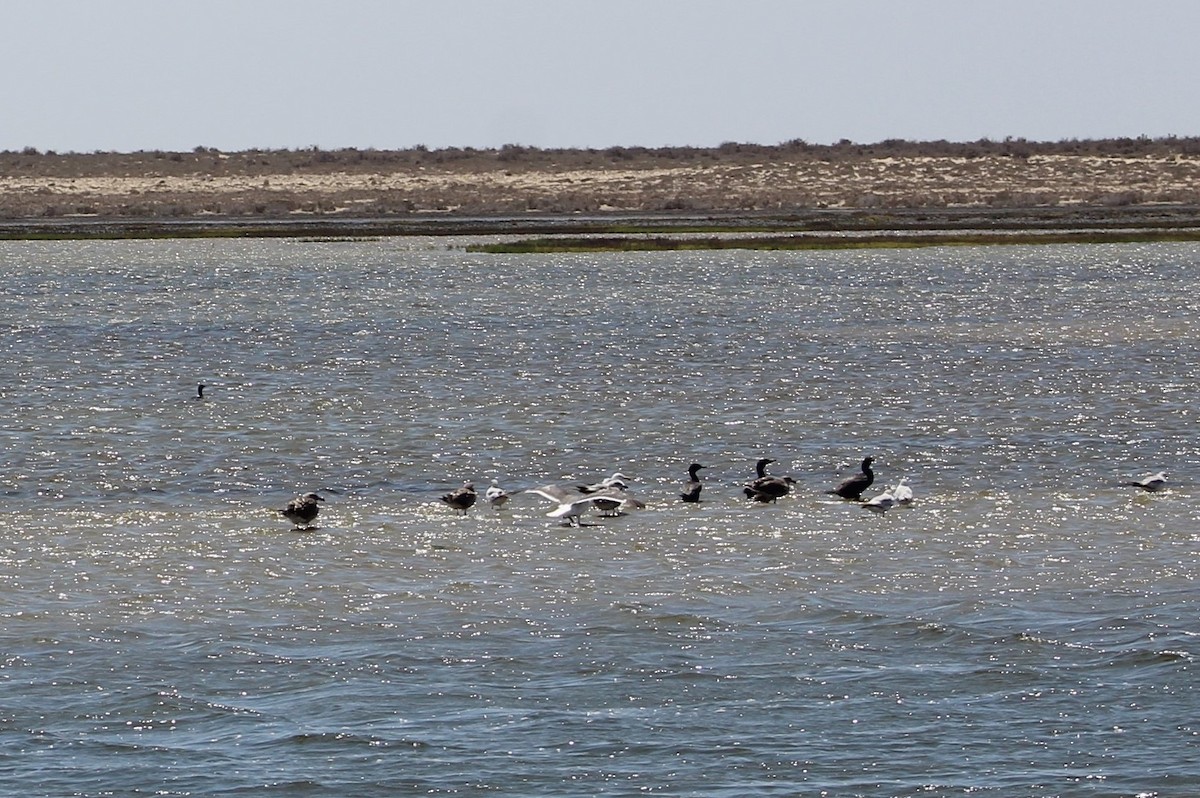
<point x="516" y="179"/>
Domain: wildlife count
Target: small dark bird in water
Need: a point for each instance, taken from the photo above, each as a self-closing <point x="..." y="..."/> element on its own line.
<point x="692" y="488"/>
<point x="767" y="488"/>
<point x="302" y="510"/>
<point x="200" y="390"/>
<point x="853" y="487"/>
<point x="1151" y="483"/>
<point x="462" y="498"/>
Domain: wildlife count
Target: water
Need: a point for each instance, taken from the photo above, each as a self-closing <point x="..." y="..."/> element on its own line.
<point x="1028" y="628"/>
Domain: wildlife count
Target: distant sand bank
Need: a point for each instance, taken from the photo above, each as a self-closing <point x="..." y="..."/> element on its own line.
<point x="733" y="179"/>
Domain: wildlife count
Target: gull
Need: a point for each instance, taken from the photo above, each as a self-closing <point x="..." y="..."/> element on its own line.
<point x="881" y="503"/>
<point x="611" y="502"/>
<point x="496" y="495"/>
<point x="902" y="493"/>
<point x="302" y="510"/>
<point x="461" y="498"/>
<point x="692" y="488"/>
<point x="572" y="502"/>
<point x="606" y="483"/>
<point x="766" y="488"/>
<point x="1151" y="483"/>
<point x="853" y="487"/>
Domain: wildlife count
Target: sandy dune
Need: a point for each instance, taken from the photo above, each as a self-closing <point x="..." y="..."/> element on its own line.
<point x="241" y="185"/>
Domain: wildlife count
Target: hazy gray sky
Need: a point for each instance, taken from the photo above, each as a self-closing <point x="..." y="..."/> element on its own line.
<point x="83" y="75"/>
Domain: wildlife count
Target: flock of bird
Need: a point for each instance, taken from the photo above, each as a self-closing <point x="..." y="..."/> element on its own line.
<point x="611" y="496"/>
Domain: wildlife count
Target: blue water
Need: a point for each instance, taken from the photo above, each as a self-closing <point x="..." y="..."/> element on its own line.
<point x="1027" y="628"/>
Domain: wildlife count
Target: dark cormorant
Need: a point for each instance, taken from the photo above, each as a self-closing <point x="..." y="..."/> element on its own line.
<point x="692" y="488"/>
<point x="853" y="487"/>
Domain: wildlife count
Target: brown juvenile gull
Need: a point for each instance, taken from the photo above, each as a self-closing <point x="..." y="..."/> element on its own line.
<point x="767" y="488"/>
<point x="302" y="510"/>
<point x="461" y="498"/>
<point x="853" y="487"/>
<point x="692" y="488"/>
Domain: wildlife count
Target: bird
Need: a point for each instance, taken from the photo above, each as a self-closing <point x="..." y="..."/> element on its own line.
<point x="302" y="510"/>
<point x="496" y="495"/>
<point x="881" y="503"/>
<point x="612" y="501"/>
<point x="1151" y="483"/>
<point x="461" y="498"/>
<point x="573" y="502"/>
<point x="200" y="390"/>
<point x="767" y="488"/>
<point x="902" y="493"/>
<point x="853" y="487"/>
<point x="605" y="483"/>
<point x="692" y="488"/>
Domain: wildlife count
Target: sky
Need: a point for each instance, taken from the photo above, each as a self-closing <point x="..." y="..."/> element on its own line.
<point x="128" y="75"/>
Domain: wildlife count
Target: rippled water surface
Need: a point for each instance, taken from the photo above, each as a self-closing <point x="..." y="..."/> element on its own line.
<point x="1028" y="628"/>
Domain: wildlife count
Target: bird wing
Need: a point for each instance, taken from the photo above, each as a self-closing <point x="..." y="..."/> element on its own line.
<point x="556" y="493"/>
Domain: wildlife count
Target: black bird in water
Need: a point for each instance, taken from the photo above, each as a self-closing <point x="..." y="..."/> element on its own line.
<point x="200" y="390"/>
<point x="692" y="488"/>
<point x="302" y="510"/>
<point x="766" y="488"/>
<point x="462" y="498"/>
<point x="853" y="487"/>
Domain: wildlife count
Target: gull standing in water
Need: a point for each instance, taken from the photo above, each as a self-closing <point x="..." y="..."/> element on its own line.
<point x="302" y="510"/>
<point x="1151" y="483"/>
<point x="461" y="499"/>
<point x="692" y="488"/>
<point x="496" y="495"/>
<point x="612" y="502"/>
<point x="902" y="493"/>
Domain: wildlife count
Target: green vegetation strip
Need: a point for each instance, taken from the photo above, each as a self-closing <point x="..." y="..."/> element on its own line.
<point x="557" y="244"/>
